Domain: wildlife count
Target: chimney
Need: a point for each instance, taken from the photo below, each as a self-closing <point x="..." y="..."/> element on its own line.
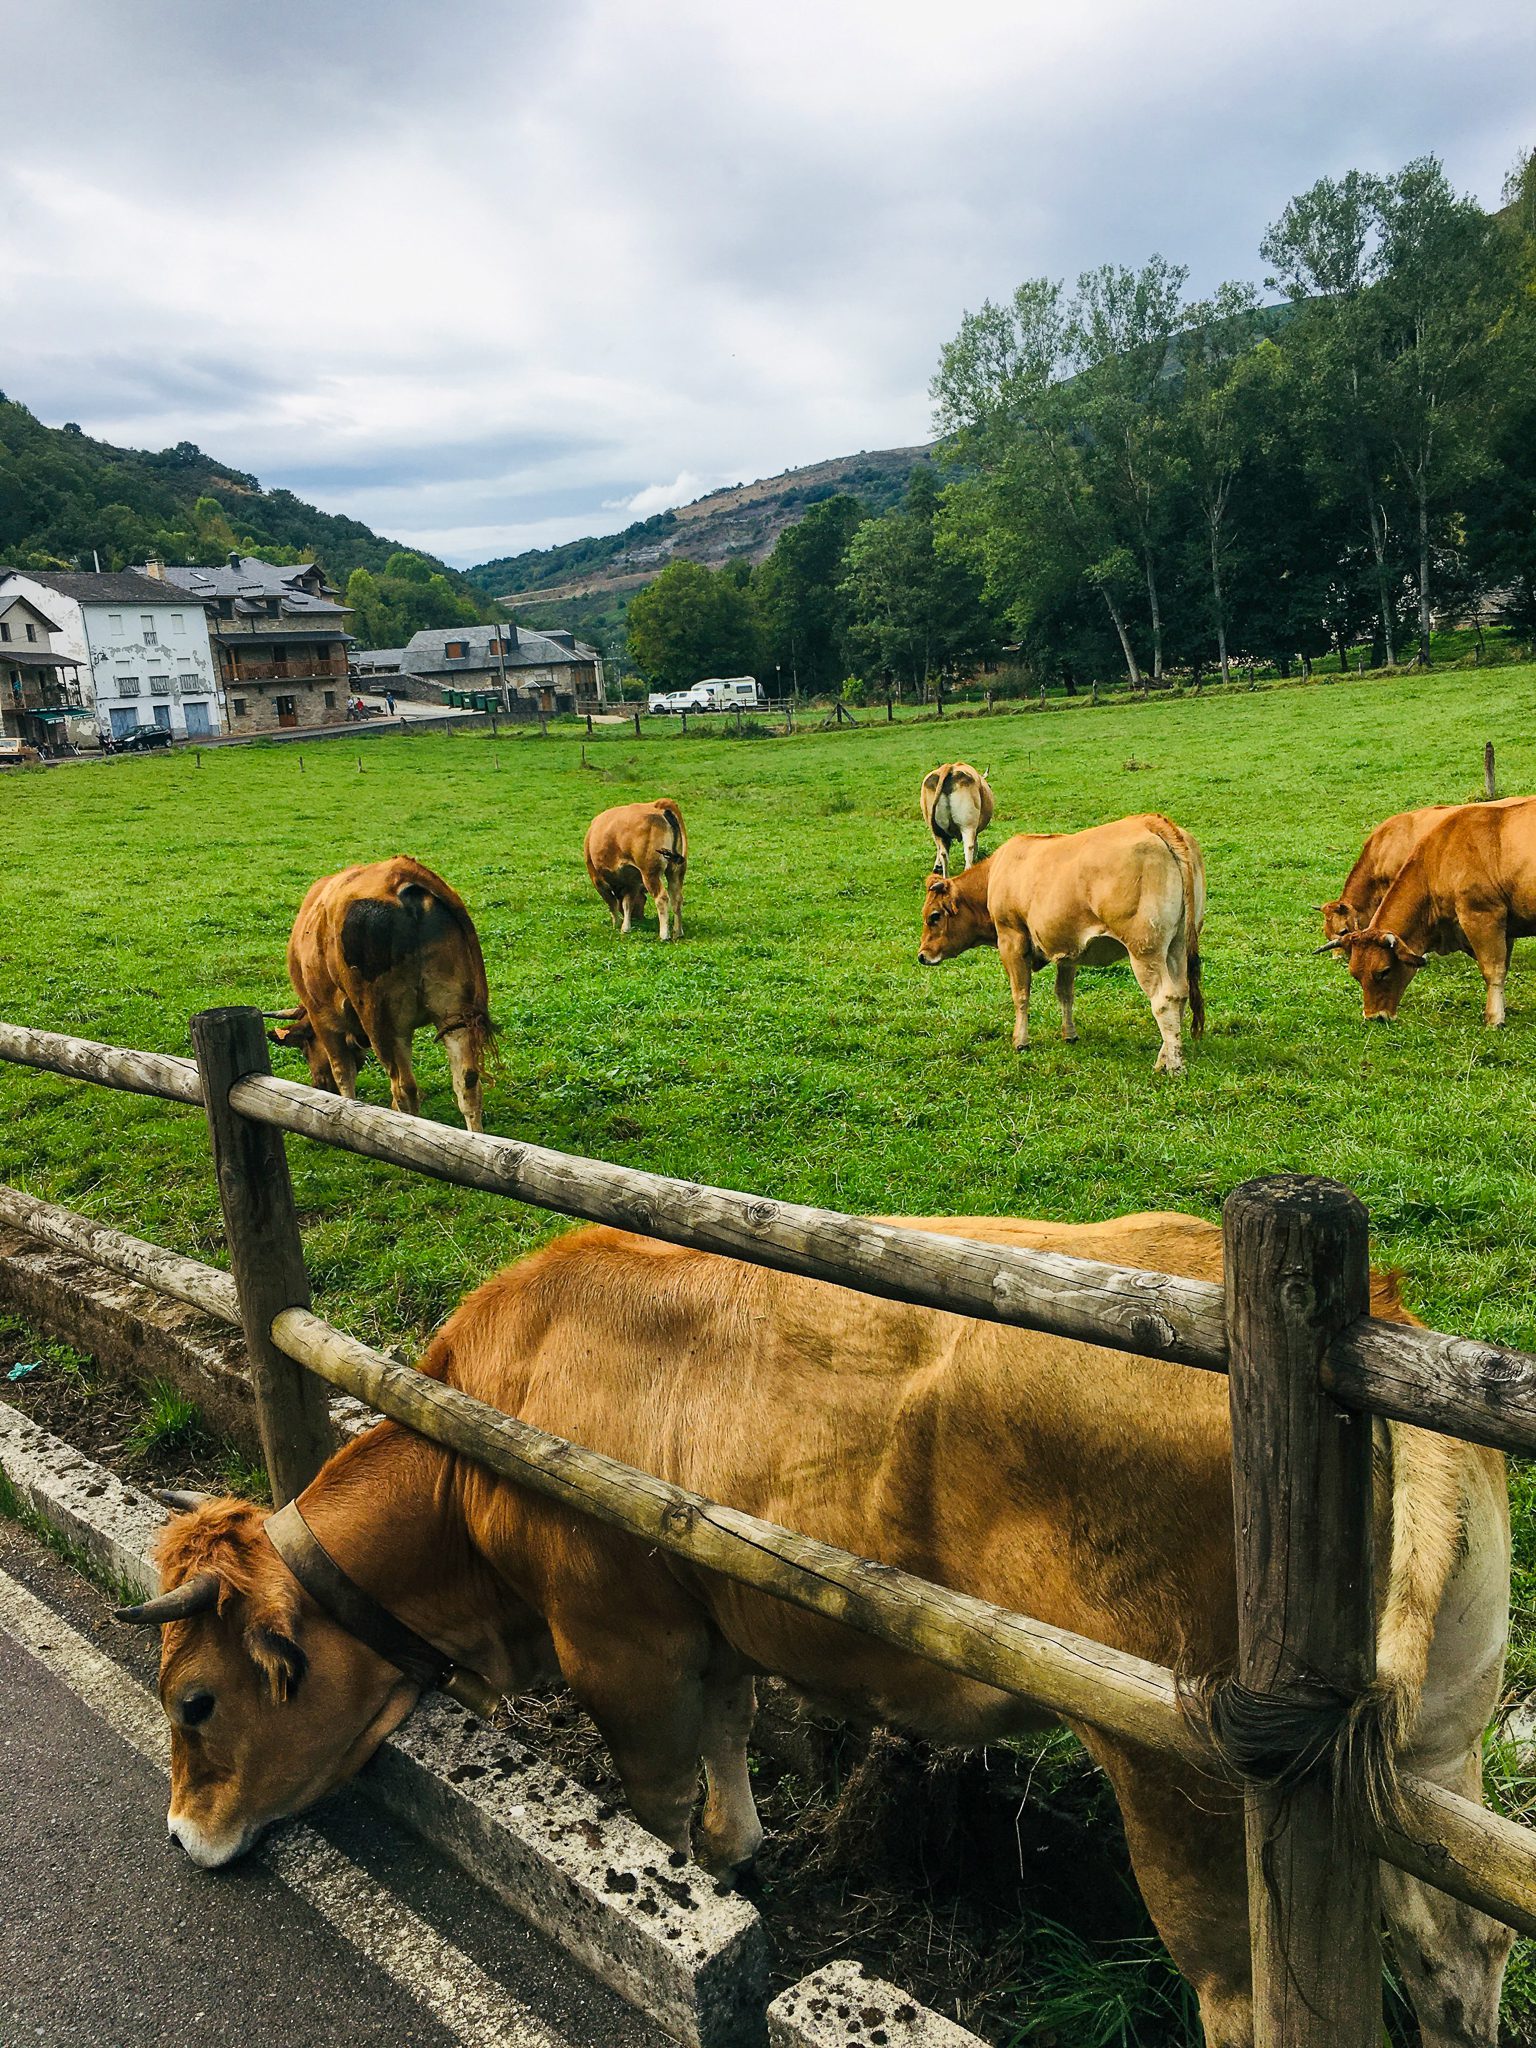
<point x="235" y="560"/>
<point x="154" y="566"/>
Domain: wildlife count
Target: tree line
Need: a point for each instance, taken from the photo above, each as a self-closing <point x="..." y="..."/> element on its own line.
<point x="1145" y="482"/>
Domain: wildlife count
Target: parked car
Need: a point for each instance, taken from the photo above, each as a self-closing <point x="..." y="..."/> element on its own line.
<point x="17" y="754"/>
<point x="144" y="739"/>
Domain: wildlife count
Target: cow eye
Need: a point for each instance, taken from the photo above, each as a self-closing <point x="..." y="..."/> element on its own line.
<point x="196" y="1708"/>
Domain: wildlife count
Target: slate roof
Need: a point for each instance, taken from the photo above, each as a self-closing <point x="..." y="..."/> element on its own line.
<point x="253" y="583"/>
<point x="427" y="653"/>
<point x="104" y="586"/>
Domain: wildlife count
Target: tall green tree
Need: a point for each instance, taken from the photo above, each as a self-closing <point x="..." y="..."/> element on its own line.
<point x="1444" y="282"/>
<point x="692" y="622"/>
<point x="800" y="596"/>
<point x="1213" y="426"/>
<point x="1120" y="331"/>
<point x="1023" y="508"/>
<point x="916" y="606"/>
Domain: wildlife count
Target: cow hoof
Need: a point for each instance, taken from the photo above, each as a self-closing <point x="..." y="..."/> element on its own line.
<point x="1069" y="1038"/>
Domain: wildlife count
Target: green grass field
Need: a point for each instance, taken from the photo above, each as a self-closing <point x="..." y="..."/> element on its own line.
<point x="791" y="1044"/>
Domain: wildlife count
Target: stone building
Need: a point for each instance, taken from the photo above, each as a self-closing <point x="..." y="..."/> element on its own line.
<point x="279" y="635"/>
<point x="527" y="672"/>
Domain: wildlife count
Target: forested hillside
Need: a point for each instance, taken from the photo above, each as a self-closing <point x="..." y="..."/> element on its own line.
<point x="740" y="523"/>
<point x="63" y="495"/>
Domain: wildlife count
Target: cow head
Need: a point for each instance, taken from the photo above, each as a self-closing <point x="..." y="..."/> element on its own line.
<point x="1382" y="965"/>
<point x="1339" y="919"/>
<point x="955" y="917"/>
<point x="271" y="1705"/>
<point x="294" y="1033"/>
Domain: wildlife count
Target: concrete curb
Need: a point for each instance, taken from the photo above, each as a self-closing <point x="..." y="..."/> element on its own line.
<point x="843" y="2006"/>
<point x="661" y="1934"/>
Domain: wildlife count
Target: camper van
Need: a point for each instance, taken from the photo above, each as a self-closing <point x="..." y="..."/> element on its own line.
<point x="724" y="693"/>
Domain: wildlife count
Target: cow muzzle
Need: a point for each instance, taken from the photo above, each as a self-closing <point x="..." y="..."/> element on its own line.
<point x="207" y="1851"/>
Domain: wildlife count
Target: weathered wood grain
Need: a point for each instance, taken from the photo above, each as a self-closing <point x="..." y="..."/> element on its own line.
<point x="266" y="1252"/>
<point x="1298" y="1271"/>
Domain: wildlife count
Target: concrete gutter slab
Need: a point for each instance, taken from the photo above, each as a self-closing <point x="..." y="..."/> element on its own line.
<point x="843" y="2006"/>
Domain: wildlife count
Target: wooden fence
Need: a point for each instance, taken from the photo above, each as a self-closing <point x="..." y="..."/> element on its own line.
<point x="1307" y="1365"/>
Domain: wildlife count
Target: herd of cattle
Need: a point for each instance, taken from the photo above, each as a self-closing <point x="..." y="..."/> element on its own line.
<point x="1085" y="1487"/>
<point x="382" y="951"/>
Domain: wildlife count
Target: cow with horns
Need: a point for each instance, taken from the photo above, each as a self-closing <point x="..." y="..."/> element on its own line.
<point x="1468" y="886"/>
<point x="1088" y="1487"/>
<point x="377" y="952"/>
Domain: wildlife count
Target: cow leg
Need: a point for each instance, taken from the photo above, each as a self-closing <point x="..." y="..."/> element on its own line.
<point x="676" y="870"/>
<point x="1187" y="1851"/>
<point x="652" y="1718"/>
<point x="343" y="1061"/>
<point x="463" y="1065"/>
<point x="968" y="842"/>
<point x="1014" y="948"/>
<point x="1167" y="1000"/>
<point x="1492" y="948"/>
<point x="658" y="889"/>
<point x="612" y="900"/>
<point x="395" y="1054"/>
<point x="1452" y="1957"/>
<point x="940" y="856"/>
<point x="730" y="1833"/>
<point x="1066" y="985"/>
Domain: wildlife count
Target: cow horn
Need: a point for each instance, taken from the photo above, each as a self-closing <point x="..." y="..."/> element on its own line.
<point x="1333" y="945"/>
<point x="285" y="1016"/>
<point x="182" y="1499"/>
<point x="193" y="1596"/>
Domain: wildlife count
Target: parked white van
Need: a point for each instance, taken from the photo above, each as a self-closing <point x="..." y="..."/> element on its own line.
<point x="726" y="693"/>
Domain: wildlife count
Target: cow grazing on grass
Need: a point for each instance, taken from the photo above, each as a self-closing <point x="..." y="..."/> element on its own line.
<point x="1078" y="1484"/>
<point x="1134" y="888"/>
<point x="635" y="851"/>
<point x="957" y="804"/>
<point x="1469" y="886"/>
<point x="375" y="953"/>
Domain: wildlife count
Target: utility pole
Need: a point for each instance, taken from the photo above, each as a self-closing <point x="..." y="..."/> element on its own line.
<point x="501" y="657"/>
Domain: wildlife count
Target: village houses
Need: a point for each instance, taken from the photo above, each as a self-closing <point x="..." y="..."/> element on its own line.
<point x="279" y="636"/>
<point x="530" y="672"/>
<point x="140" y="649"/>
<point x="39" y="684"/>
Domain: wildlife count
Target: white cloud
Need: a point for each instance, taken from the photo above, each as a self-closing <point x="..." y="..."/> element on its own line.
<point x="480" y="280"/>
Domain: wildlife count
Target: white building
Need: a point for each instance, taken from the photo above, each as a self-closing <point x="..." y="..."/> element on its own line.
<point x="142" y="647"/>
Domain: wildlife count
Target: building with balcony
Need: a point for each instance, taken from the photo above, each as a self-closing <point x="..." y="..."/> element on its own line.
<point x="530" y="672"/>
<point x="279" y="638"/>
<point x="39" y="685"/>
<point x="141" y="649"/>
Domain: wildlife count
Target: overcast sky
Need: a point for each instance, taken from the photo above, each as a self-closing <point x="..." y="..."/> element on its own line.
<point x="489" y="274"/>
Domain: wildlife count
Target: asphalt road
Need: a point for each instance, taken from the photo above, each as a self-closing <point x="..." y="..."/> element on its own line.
<point x="342" y="1930"/>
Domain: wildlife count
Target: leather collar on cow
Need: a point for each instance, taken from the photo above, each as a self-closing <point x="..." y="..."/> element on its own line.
<point x="373" y="1625"/>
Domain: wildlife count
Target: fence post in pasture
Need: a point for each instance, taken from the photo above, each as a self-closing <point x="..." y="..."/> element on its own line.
<point x="1298" y="1272"/>
<point x="265" y="1251"/>
<point x="685" y="725"/>
<point x="637" y="725"/>
<point x="589" y="725"/>
<point x="1490" y="780"/>
<point x="890" y="709"/>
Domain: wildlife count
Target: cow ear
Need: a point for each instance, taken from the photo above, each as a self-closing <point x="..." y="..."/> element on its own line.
<point x="278" y="1658"/>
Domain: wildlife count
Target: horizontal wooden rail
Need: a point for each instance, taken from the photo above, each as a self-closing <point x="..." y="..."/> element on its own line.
<point x="1460" y="1386"/>
<point x="1476" y="1856"/>
<point x="110" y="1066"/>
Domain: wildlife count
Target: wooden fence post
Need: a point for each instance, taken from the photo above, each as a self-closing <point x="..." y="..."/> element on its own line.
<point x="1298" y="1272"/>
<point x="1490" y="778"/>
<point x="265" y="1251"/>
<point x="637" y="725"/>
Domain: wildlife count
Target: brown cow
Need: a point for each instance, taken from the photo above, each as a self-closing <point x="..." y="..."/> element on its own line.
<point x="957" y="804"/>
<point x="1079" y="1484"/>
<point x="1469" y="886"/>
<point x="1136" y="887"/>
<point x="636" y="850"/>
<point x="375" y="953"/>
<point x="1382" y="855"/>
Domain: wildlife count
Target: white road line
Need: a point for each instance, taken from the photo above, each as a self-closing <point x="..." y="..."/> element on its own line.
<point x="453" y="1988"/>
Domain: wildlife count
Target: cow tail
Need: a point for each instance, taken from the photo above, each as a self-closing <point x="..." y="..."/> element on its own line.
<point x="678" y="850"/>
<point x="1358" y="1740"/>
<point x="1179" y="844"/>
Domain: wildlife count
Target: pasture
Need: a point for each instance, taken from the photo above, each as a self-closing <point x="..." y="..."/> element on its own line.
<point x="791" y="1043"/>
